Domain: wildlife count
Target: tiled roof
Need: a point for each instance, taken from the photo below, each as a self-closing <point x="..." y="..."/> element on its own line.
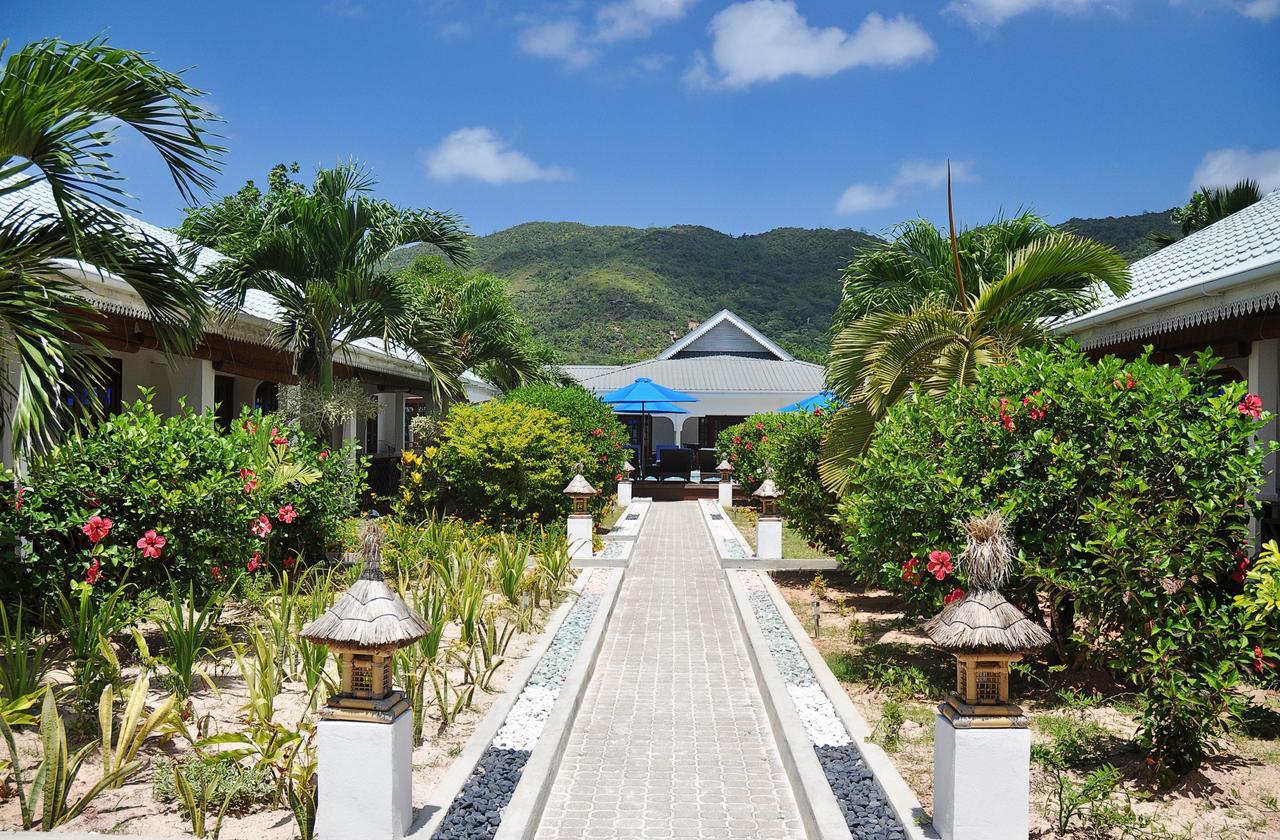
<point x="1240" y="245"/>
<point x="706" y="373"/>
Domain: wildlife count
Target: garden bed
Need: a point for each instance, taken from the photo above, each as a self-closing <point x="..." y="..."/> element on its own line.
<point x="1081" y="721"/>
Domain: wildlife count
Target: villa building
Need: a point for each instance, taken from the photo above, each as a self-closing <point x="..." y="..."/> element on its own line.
<point x="1218" y="288"/>
<point x="237" y="361"/>
<point x="731" y="368"/>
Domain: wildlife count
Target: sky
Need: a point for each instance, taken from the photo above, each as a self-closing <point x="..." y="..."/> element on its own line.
<point x="741" y="116"/>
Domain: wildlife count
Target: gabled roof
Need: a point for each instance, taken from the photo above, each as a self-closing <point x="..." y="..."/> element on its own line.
<point x="689" y="342"/>
<point x="707" y="374"/>
<point x="1212" y="274"/>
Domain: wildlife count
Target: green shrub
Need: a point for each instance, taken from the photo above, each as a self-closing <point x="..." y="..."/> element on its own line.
<point x="501" y="463"/>
<point x="181" y="478"/>
<point x="791" y="443"/>
<point x="1128" y="488"/>
<point x="247" y="787"/>
<point x="594" y="424"/>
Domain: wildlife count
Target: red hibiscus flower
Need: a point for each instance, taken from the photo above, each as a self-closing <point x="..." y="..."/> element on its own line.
<point x="750" y="446"/>
<point x="261" y="527"/>
<point x="618" y="477"/>
<point x="97" y="528"/>
<point x="216" y="571"/>
<point x="1259" y="660"/>
<point x="254" y="562"/>
<point x="940" y="564"/>
<point x="290" y="562"/>
<point x="249" y="426"/>
<point x="1251" y="406"/>
<point x="954" y="595"/>
<point x="1241" y="572"/>
<point x="1007" y="422"/>
<point x="597" y="432"/>
<point x="151" y="544"/>
<point x="287" y="514"/>
<point x="911" y="571"/>
<point x="759" y="427"/>
<point x="817" y="412"/>
<point x="93" y="573"/>
<point x="323" y="456"/>
<point x="17" y="500"/>
<point x="737" y="438"/>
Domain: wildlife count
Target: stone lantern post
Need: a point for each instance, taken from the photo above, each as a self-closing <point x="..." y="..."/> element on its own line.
<point x="624" y="486"/>
<point x="364" y="737"/>
<point x="724" y="491"/>
<point x="982" y="747"/>
<point x="580" y="527"/>
<point x="769" y="525"/>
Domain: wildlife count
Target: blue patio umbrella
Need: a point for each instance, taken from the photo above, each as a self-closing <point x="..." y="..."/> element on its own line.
<point x="647" y="395"/>
<point x="651" y="408"/>
<point x="821" y="400"/>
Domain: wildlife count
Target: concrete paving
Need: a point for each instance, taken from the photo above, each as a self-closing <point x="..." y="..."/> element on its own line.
<point x="672" y="740"/>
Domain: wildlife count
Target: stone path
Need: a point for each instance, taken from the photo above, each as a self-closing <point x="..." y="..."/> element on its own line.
<point x="672" y="740"/>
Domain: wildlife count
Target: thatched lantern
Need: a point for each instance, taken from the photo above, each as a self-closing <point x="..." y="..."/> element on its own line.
<point x="364" y="628"/>
<point x="627" y="469"/>
<point x="768" y="494"/>
<point x="984" y="632"/>
<point x="726" y="470"/>
<point x="580" y="491"/>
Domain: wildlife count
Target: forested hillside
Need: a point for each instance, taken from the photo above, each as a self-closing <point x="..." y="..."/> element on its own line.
<point x="615" y="294"/>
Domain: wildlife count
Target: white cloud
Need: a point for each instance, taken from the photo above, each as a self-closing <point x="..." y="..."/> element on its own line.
<point x="912" y="177"/>
<point x="1226" y="167"/>
<point x="562" y="40"/>
<point x="764" y="40"/>
<point x="636" y="18"/>
<point x="1263" y="10"/>
<point x="345" y="8"/>
<point x="479" y="154"/>
<point x="996" y="12"/>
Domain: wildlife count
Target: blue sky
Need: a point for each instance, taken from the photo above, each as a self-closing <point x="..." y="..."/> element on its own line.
<point x="742" y="116"/>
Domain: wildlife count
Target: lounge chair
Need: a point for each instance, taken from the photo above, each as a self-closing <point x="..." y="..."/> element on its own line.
<point x="675" y="463"/>
<point x="707" y="464"/>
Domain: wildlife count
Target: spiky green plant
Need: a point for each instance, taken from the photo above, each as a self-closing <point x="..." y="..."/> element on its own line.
<point x="118" y="752"/>
<point x="187" y="630"/>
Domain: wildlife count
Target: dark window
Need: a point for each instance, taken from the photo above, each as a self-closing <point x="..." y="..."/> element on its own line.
<point x="267" y="398"/>
<point x="78" y="396"/>
<point x="224" y="396"/>
<point x="371" y="436"/>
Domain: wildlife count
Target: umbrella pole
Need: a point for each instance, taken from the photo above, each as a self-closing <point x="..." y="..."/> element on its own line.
<point x="643" y="448"/>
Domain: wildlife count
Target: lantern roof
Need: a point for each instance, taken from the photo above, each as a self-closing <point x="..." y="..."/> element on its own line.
<point x="628" y="467"/>
<point x="984" y="621"/>
<point x="724" y="466"/>
<point x="369" y="615"/>
<point x="579" y="486"/>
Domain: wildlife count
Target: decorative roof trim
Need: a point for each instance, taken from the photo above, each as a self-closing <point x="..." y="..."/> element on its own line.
<point x="714" y="321"/>
<point x="1170" y="321"/>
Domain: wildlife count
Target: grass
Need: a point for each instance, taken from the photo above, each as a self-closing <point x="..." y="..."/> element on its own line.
<point x="795" y="546"/>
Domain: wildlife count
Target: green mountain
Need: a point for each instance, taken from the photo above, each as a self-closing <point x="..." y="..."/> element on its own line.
<point x="617" y="294"/>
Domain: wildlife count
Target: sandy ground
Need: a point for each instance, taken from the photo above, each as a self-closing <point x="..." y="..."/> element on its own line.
<point x="1235" y="796"/>
<point x="132" y="810"/>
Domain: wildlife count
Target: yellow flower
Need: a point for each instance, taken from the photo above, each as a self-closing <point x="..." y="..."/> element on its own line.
<point x="417" y="477"/>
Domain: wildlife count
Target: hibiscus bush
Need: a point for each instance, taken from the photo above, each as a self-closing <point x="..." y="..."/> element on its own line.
<point x="594" y="424"/>
<point x="147" y="499"/>
<point x="501" y="463"/>
<point x="1128" y="487"/>
<point x="791" y="443"/>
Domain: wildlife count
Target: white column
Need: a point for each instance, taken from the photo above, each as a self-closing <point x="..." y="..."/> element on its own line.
<point x="581" y="532"/>
<point x="12" y="374"/>
<point x="391" y="421"/>
<point x="366" y="779"/>
<point x="724" y="494"/>
<point x="769" y="538"/>
<point x="194" y="381"/>
<point x="981" y="782"/>
<point x="350" y="429"/>
<point x="1264" y="380"/>
<point x="624" y="492"/>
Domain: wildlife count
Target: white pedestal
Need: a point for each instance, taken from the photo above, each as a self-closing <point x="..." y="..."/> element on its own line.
<point x="366" y="779"/>
<point x="724" y="494"/>
<point x="981" y="782"/>
<point x="624" y="493"/>
<point x="769" y="538"/>
<point x="581" y="534"/>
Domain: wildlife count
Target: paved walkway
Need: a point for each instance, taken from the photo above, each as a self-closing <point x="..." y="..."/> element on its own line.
<point x="672" y="740"/>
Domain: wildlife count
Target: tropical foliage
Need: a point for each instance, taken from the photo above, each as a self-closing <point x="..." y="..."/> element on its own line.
<point x="928" y="310"/>
<point x="319" y="252"/>
<point x="57" y="105"/>
<point x="1209" y="205"/>
<point x="1128" y="487"/>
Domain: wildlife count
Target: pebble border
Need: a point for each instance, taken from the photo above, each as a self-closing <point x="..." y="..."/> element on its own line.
<point x="476" y="812"/>
<point x="729" y="542"/>
<point x="863" y="802"/>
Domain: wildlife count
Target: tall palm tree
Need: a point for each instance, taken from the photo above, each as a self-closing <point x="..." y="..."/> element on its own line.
<point x="319" y="253"/>
<point x="60" y="104"/>
<point x="927" y="310"/>
<point x="1207" y="206"/>
<point x="469" y="320"/>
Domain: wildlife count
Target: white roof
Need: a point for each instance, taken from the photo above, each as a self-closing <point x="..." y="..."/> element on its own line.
<point x="722" y="317"/>
<point x="260" y="313"/>
<point x="1223" y="270"/>
<point x="715" y="374"/>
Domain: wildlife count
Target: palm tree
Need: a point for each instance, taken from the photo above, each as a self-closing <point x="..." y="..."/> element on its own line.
<point x="469" y="320"/>
<point x="58" y="102"/>
<point x="1207" y="206"/>
<point x="319" y="253"/>
<point x="927" y="310"/>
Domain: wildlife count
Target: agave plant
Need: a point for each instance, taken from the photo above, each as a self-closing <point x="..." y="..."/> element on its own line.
<point x="26" y="657"/>
<point x="119" y="752"/>
<point x="187" y="631"/>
